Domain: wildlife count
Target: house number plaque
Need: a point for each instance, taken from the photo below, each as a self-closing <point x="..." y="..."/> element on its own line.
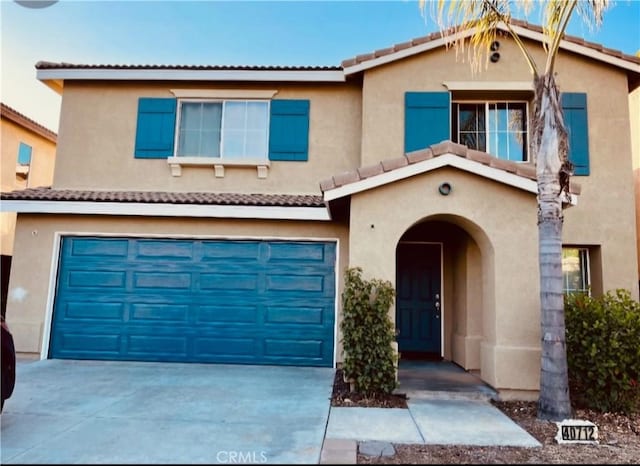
<point x="576" y="431"/>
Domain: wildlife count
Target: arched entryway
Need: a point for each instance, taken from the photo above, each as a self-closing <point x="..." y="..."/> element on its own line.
<point x="443" y="277"/>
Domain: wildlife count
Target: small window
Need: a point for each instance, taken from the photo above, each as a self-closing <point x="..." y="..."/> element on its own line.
<point x="499" y="128"/>
<point x="24" y="154"/>
<point x="575" y="270"/>
<point x="229" y="130"/>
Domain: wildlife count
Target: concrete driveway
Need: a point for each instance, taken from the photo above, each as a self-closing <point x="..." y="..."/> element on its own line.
<point x="129" y="412"/>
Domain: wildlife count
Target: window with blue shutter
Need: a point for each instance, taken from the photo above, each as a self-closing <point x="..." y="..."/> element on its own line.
<point x="289" y="130"/>
<point x="427" y="119"/>
<point x="574" y="108"/>
<point x="156" y="128"/>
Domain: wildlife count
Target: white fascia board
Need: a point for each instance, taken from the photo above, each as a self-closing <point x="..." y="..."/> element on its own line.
<point x="521" y="31"/>
<point x="577" y="48"/>
<point x="443" y="160"/>
<point x="165" y="210"/>
<point x="190" y="75"/>
<point x="488" y="85"/>
<point x="409" y="51"/>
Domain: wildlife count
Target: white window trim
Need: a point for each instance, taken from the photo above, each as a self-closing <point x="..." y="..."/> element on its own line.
<point x="586" y="273"/>
<point x="486" y="122"/>
<point x="176" y="162"/>
<point x="241" y="94"/>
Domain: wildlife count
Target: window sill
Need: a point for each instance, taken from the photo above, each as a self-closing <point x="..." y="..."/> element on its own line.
<point x="176" y="164"/>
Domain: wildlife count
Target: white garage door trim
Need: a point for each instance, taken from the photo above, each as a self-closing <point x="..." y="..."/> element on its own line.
<point x="55" y="263"/>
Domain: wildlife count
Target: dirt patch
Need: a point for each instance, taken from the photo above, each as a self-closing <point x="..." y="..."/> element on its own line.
<point x="343" y="397"/>
<point x="619" y="437"/>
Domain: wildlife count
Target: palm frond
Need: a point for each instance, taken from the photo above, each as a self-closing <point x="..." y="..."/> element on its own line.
<point x="473" y="25"/>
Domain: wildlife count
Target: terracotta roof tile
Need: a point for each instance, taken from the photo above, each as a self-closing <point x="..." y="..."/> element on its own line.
<point x="505" y="165"/>
<point x="524" y="170"/>
<point x="437" y="35"/>
<point x="420" y="155"/>
<point x="528" y="170"/>
<point x="393" y="164"/>
<point x="26" y="122"/>
<point x="370" y="170"/>
<point x="346" y="178"/>
<point x="151" y="197"/>
<point x="47" y="65"/>
<point x="479" y="156"/>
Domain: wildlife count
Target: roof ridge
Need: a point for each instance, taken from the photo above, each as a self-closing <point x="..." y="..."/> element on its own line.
<point x="525" y="170"/>
<point x="514" y="21"/>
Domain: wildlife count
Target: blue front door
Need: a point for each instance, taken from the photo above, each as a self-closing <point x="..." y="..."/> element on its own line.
<point x="191" y="300"/>
<point x="418" y="301"/>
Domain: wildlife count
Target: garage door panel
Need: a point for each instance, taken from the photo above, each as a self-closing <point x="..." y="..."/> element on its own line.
<point x="159" y="312"/>
<point x="86" y="279"/>
<point x="93" y="310"/>
<point x="167" y="249"/>
<point x="296" y="315"/>
<point x="99" y="248"/>
<point x="237" y="252"/>
<point x="222" y="347"/>
<point x="227" y="314"/>
<point x="228" y="281"/>
<point x="154" y="345"/>
<point x="299" y="252"/>
<point x="258" y="302"/>
<point x="166" y="281"/>
<point x="293" y="348"/>
<point x="72" y="343"/>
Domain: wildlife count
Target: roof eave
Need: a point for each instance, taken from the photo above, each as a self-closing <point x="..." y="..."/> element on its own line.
<point x="425" y="166"/>
<point x="54" y="77"/>
<point x="383" y="59"/>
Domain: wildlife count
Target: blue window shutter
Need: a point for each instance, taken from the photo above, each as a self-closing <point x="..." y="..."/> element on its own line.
<point x="24" y="154"/>
<point x="427" y="119"/>
<point x="156" y="128"/>
<point x="289" y="130"/>
<point x="574" y="108"/>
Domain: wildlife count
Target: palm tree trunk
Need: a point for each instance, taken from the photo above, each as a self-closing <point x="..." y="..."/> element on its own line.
<point x="550" y="146"/>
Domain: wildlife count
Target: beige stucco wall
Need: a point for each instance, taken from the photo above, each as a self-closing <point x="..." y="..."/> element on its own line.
<point x="98" y="128"/>
<point x="501" y="222"/>
<point x="605" y="215"/>
<point x="40" y="172"/>
<point x="31" y="287"/>
<point x="634" y="123"/>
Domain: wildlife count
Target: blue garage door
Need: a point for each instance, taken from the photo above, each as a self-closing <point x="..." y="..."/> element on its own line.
<point x="252" y="302"/>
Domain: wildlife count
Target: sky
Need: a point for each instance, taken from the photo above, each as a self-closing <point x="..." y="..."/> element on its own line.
<point x="215" y="32"/>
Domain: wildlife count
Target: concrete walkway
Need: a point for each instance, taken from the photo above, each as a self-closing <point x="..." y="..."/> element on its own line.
<point x="447" y="406"/>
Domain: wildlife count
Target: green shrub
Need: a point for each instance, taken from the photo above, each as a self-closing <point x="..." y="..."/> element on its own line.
<point x="367" y="334"/>
<point x="603" y="351"/>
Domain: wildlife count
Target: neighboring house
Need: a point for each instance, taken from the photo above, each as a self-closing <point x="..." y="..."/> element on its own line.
<point x="207" y="213"/>
<point x="28" y="157"/>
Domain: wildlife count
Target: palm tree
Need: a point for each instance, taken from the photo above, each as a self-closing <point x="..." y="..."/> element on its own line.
<point x="480" y="19"/>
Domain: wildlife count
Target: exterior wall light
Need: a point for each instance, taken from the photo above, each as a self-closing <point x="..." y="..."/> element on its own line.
<point x="495" y="56"/>
<point x="444" y="189"/>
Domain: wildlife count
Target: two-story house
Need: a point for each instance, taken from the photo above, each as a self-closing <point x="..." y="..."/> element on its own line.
<point x="207" y="213"/>
<point x="27" y="158"/>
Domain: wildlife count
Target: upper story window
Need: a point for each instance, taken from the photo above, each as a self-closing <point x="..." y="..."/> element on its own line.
<point x="229" y="129"/>
<point x="24" y="154"/>
<point x="575" y="270"/>
<point x="499" y="128"/>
